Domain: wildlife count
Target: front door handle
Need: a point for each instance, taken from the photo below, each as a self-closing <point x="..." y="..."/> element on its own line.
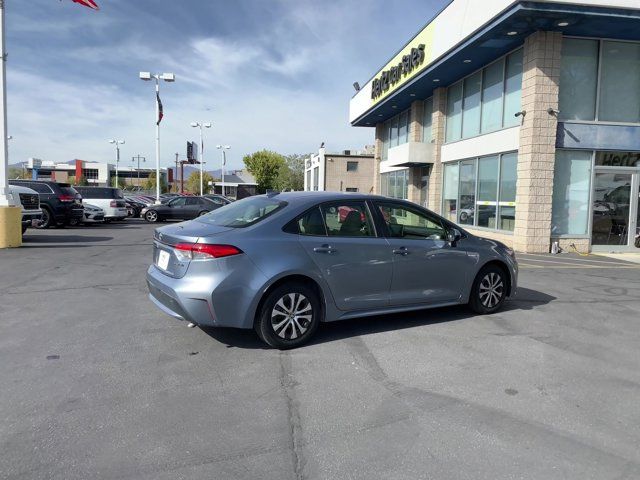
<point x="325" y="249"/>
<point x="401" y="251"/>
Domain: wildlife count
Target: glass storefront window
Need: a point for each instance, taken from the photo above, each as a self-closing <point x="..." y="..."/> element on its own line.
<point x="395" y="184"/>
<point x="578" y="79"/>
<point x="467" y="192"/>
<point x="571" y="186"/>
<point x="403" y="128"/>
<point x="512" y="89"/>
<point x="492" y="88"/>
<point x="393" y="132"/>
<point x="486" y="199"/>
<point x="427" y="121"/>
<point x="454" y="112"/>
<point x="487" y="202"/>
<point x="471" y="105"/>
<point x="450" y="191"/>
<point x="620" y="82"/>
<point x="507" y="196"/>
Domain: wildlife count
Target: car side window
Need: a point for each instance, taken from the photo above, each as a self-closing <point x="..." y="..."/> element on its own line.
<point x="311" y="223"/>
<point x="178" y="202"/>
<point x="193" y="201"/>
<point x="39" y="187"/>
<point x="347" y="219"/>
<point x="404" y="222"/>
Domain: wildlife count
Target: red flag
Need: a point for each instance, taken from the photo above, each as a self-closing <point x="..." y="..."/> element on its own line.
<point x="88" y="3"/>
<point x="160" y="114"/>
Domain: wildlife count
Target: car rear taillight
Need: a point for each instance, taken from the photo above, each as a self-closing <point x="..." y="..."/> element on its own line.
<point x="204" y="251"/>
<point x="66" y="198"/>
<point x="113" y="204"/>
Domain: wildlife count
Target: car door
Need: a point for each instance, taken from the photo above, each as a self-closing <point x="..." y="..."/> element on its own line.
<point x="341" y="239"/>
<point x="175" y="208"/>
<point x="192" y="207"/>
<point x="427" y="268"/>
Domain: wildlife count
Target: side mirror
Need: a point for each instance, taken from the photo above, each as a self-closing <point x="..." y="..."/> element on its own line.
<point x="453" y="236"/>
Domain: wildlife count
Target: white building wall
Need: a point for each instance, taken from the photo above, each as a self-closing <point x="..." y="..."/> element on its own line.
<point x="506" y="140"/>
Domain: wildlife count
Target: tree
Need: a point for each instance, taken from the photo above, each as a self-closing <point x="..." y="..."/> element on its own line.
<point x="265" y="166"/>
<point x="16" y="173"/>
<point x="81" y="181"/>
<point x="292" y="177"/>
<point x="192" y="184"/>
<point x="150" y="184"/>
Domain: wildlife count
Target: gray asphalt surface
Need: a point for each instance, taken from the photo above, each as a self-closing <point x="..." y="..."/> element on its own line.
<point x="96" y="383"/>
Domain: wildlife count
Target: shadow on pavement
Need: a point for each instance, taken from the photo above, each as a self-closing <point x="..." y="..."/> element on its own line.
<point x="526" y="299"/>
<point x="63" y="238"/>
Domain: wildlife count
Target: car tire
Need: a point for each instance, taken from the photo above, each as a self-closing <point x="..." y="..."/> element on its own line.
<point x="289" y="317"/>
<point x="151" y="216"/>
<point x="74" y="222"/>
<point x="47" y="219"/>
<point x="204" y="212"/>
<point x="24" y="229"/>
<point x="489" y="290"/>
<point x="464" y="216"/>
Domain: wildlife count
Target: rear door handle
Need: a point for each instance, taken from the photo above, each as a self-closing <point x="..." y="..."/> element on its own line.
<point x="401" y="251"/>
<point x="325" y="249"/>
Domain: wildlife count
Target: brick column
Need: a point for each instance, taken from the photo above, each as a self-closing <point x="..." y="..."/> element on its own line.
<point x="377" y="158"/>
<point x="437" y="127"/>
<point x="536" y="156"/>
<point x="415" y="135"/>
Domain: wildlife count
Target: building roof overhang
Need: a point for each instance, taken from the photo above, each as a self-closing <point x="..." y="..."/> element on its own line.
<point x="497" y="38"/>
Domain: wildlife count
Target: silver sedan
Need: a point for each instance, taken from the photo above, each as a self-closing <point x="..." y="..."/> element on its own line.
<point x="283" y="263"/>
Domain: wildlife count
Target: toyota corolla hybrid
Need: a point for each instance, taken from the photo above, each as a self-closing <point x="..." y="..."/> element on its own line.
<point x="283" y="263"/>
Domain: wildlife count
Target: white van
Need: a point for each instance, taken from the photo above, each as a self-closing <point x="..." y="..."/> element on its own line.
<point x="109" y="199"/>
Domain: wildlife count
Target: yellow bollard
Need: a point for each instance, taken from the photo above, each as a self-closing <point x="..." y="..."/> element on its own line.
<point x="10" y="227"/>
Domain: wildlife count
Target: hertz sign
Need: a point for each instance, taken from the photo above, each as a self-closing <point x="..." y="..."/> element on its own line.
<point x="389" y="78"/>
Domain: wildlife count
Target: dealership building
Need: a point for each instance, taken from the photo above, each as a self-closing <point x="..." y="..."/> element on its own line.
<point x="518" y="120"/>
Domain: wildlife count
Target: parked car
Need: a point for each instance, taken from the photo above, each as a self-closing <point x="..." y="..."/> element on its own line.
<point x="29" y="201"/>
<point x="179" y="208"/>
<point x="93" y="214"/>
<point x="134" y="207"/>
<point x="219" y="200"/>
<point x="282" y="264"/>
<point x="60" y="202"/>
<point x="109" y="199"/>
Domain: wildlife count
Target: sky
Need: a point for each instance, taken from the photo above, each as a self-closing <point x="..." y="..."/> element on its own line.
<point x="274" y="74"/>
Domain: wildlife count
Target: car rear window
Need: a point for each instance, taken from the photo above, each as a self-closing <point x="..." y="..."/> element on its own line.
<point x="101" y="192"/>
<point x="243" y="213"/>
<point x="68" y="191"/>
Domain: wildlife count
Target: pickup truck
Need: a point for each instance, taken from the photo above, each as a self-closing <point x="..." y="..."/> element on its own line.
<point x="29" y="201"/>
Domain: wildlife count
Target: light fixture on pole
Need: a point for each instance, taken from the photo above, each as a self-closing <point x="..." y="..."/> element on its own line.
<point x="224" y="162"/>
<point x="133" y="159"/>
<point x="167" y="77"/>
<point x="200" y="125"/>
<point x="117" y="143"/>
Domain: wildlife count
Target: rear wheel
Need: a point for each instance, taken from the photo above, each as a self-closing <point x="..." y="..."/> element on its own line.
<point x="151" y="216"/>
<point x="489" y="290"/>
<point x="289" y="317"/>
<point x="46" y="220"/>
<point x="204" y="212"/>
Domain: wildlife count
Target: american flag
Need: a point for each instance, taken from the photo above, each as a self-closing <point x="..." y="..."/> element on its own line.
<point x="160" y="114"/>
<point x="88" y="3"/>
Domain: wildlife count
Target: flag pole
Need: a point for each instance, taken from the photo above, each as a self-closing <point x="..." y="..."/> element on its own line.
<point x="157" y="141"/>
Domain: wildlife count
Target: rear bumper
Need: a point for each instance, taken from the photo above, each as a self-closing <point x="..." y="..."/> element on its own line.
<point x="181" y="299"/>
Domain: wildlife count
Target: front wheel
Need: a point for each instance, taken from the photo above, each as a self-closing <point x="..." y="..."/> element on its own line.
<point x="46" y="220"/>
<point x="151" y="216"/>
<point x="489" y="290"/>
<point x="289" y="317"/>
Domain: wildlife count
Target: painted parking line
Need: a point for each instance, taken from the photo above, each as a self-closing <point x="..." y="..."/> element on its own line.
<point x="570" y="259"/>
<point x="572" y="266"/>
<point x="572" y="262"/>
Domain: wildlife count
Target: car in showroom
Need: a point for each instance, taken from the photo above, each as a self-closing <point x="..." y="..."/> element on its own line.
<point x="29" y="201"/>
<point x="284" y="263"/>
<point x="178" y="208"/>
<point x="60" y="202"/>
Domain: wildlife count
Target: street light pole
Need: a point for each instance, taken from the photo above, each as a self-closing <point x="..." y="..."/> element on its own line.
<point x="4" y="142"/>
<point x="200" y="125"/>
<point x="117" y="144"/>
<point x="138" y="157"/>
<point x="224" y="148"/>
<point x="167" y="77"/>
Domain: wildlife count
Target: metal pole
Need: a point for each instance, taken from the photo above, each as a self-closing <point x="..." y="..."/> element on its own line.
<point x="175" y="173"/>
<point x="117" y="162"/>
<point x="201" y="161"/>
<point x="224" y="162"/>
<point x="157" y="143"/>
<point x="4" y="147"/>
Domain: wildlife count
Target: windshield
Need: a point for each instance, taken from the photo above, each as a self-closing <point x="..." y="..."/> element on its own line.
<point x="243" y="212"/>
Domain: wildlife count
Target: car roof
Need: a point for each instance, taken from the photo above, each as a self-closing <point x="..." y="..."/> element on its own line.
<point x="323" y="196"/>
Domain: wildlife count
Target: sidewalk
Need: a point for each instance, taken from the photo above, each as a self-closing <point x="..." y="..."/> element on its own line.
<point x="627" y="257"/>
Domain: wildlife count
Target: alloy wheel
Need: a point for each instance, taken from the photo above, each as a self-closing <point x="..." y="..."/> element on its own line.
<point x="291" y="316"/>
<point x="151" y="216"/>
<point x="491" y="289"/>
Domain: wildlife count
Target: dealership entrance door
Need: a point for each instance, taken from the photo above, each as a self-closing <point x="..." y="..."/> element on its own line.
<point x="615" y="215"/>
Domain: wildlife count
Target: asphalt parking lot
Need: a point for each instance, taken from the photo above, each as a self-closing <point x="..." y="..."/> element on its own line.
<point x="97" y="383"/>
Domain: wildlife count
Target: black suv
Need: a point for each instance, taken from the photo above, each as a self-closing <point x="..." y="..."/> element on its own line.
<point x="61" y="204"/>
